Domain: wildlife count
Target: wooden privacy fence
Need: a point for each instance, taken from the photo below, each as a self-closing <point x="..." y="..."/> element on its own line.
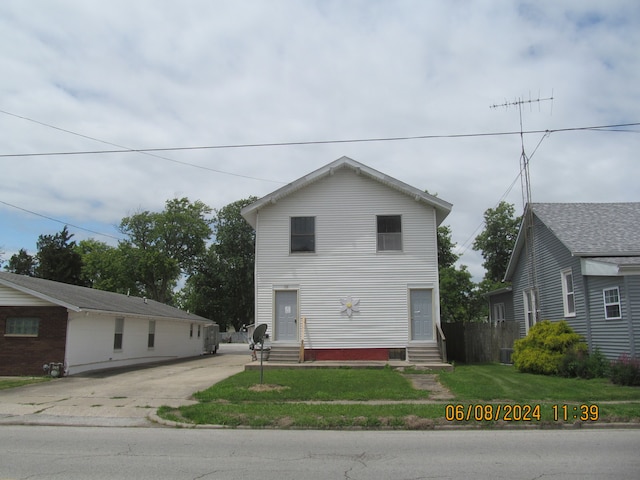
<point x="480" y="342"/>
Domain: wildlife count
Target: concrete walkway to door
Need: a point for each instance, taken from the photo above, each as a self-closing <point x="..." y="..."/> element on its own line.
<point x="124" y="397"/>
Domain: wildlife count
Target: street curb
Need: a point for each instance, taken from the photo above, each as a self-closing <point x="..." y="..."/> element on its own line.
<point x="452" y="426"/>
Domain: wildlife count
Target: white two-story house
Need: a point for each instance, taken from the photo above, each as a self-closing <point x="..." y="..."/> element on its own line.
<point x="346" y="263"/>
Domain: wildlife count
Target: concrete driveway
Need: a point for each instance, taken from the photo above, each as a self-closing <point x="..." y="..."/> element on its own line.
<point x="121" y="397"/>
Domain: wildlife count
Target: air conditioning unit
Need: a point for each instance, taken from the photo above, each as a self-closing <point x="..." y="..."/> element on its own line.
<point x="505" y="355"/>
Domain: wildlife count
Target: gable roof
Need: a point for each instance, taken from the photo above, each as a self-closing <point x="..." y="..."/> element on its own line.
<point x="606" y="230"/>
<point x="79" y="299"/>
<point x="250" y="212"/>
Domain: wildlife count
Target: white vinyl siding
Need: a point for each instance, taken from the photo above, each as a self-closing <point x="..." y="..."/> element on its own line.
<point x="346" y="261"/>
<point x="568" y="294"/>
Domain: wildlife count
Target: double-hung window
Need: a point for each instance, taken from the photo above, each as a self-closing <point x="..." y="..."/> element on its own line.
<point x="530" y="300"/>
<point x="389" y="229"/>
<point x="612" y="308"/>
<point x="568" y="294"/>
<point x="151" y="339"/>
<point x="119" y="333"/>
<point x="303" y="235"/>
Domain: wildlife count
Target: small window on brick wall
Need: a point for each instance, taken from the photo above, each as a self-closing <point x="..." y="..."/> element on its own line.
<point x="22" y="327"/>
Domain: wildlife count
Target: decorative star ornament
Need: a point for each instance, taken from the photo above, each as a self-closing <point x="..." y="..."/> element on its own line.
<point x="349" y="305"/>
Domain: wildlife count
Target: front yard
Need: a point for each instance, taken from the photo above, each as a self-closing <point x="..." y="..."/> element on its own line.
<point x="483" y="395"/>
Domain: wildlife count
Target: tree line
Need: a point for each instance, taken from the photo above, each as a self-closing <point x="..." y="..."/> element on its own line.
<point x="202" y="260"/>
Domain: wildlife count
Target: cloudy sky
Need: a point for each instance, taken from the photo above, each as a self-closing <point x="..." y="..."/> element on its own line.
<point x="87" y="76"/>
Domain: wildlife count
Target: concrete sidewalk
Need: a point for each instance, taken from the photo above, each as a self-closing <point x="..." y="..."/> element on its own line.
<point x="121" y="397"/>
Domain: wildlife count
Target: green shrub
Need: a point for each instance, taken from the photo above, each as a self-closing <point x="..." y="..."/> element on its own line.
<point x="625" y="371"/>
<point x="578" y="363"/>
<point x="543" y="349"/>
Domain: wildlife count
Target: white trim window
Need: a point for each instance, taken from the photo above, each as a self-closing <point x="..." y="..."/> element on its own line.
<point x="530" y="298"/>
<point x="612" y="308"/>
<point x="568" y="293"/>
<point x="151" y="338"/>
<point x="118" y="334"/>
<point x="302" y="235"/>
<point x="389" y="229"/>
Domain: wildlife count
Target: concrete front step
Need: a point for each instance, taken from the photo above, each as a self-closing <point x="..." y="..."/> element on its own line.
<point x="423" y="354"/>
<point x="284" y="354"/>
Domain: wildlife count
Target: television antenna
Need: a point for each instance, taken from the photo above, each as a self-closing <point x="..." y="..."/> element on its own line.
<point x="527" y="221"/>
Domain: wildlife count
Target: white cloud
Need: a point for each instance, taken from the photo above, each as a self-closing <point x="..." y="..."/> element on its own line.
<point x="163" y="74"/>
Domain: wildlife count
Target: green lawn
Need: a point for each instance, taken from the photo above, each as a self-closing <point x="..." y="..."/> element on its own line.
<point x="11" y="382"/>
<point x="345" y="398"/>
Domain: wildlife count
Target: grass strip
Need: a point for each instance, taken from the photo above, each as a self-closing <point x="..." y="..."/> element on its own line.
<point x="394" y="416"/>
<point x="20" y="381"/>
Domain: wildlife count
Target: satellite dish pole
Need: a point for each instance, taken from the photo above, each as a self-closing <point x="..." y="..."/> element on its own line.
<point x="258" y="338"/>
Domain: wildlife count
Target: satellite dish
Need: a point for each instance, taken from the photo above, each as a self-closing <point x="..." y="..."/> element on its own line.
<point x="259" y="332"/>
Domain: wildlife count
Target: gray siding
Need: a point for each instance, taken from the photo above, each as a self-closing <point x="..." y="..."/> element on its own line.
<point x="616" y="336"/>
<point x="551" y="258"/>
<point x="346" y="262"/>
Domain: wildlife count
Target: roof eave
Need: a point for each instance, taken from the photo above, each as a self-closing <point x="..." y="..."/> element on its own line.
<point x="41" y="296"/>
<point x="250" y="212"/>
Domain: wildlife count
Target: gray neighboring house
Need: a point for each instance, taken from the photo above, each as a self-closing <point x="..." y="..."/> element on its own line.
<point x="580" y="262"/>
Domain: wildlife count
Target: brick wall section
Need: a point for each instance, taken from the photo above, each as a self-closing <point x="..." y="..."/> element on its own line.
<point x="27" y="355"/>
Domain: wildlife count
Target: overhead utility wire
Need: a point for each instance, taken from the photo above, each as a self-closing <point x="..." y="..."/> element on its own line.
<point x="467" y="243"/>
<point x="60" y="221"/>
<point x="127" y="149"/>
<point x="315" y="142"/>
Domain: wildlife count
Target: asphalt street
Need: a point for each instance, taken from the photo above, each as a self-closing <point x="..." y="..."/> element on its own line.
<point x="89" y="453"/>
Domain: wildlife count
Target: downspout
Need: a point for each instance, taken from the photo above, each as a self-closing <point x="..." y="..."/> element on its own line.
<point x="627" y="302"/>
<point x="587" y="309"/>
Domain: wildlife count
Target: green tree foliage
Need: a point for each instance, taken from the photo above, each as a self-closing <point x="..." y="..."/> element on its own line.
<point x="222" y="287"/>
<point x="105" y="268"/>
<point x="164" y="245"/>
<point x="22" y="263"/>
<point x="544" y="347"/>
<point x="497" y="240"/>
<point x="57" y="259"/>
<point x="459" y="300"/>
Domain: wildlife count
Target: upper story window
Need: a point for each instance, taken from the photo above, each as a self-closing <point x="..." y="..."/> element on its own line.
<point x="303" y="235"/>
<point x="389" y="232"/>
<point x="612" y="303"/>
<point x="22" y="326"/>
<point x="568" y="295"/>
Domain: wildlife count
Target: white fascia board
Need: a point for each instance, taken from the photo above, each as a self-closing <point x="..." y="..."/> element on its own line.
<point x="594" y="268"/>
<point x="41" y="296"/>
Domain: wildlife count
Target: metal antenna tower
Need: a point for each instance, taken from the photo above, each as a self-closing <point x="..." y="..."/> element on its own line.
<point x="532" y="304"/>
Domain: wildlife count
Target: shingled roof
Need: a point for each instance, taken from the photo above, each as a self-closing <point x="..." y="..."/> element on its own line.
<point x="80" y="299"/>
<point x="604" y="232"/>
<point x="594" y="229"/>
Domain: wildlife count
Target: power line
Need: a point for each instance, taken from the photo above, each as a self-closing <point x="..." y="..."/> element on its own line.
<point x="143" y="152"/>
<point x="312" y="142"/>
<point x="59" y="221"/>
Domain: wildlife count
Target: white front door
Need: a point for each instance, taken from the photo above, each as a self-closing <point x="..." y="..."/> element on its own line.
<point x="286" y="311"/>
<point x="421" y="309"/>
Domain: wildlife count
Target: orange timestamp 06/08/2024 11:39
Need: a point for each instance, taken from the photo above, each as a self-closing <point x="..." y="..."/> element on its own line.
<point x="519" y="412"/>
